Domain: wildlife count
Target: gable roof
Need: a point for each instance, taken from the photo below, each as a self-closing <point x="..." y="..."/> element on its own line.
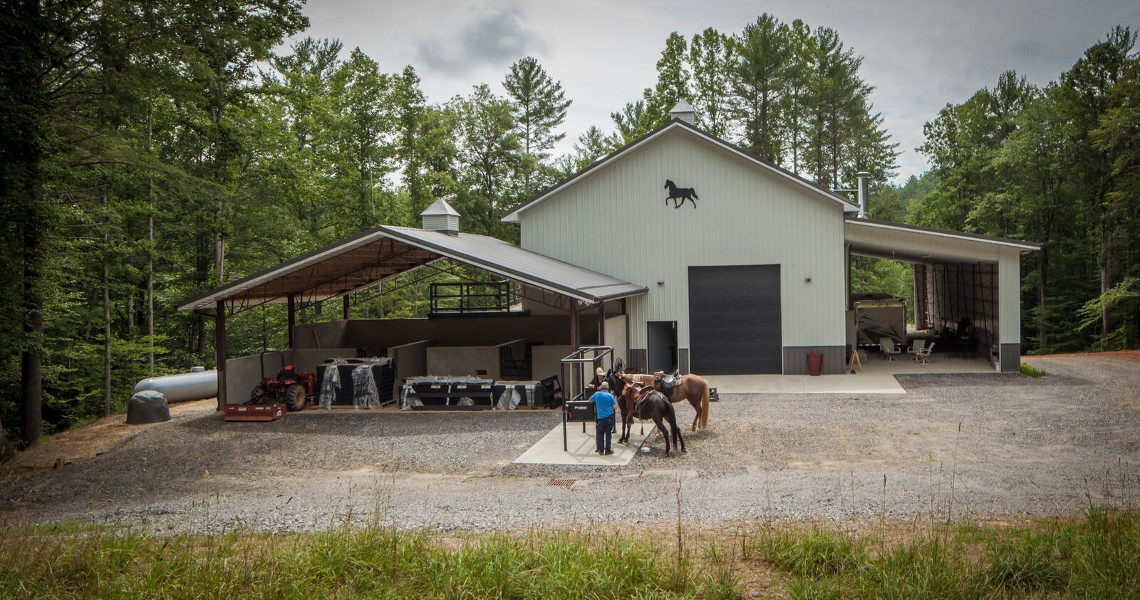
<point x="387" y="251"/>
<point x="512" y="216"/>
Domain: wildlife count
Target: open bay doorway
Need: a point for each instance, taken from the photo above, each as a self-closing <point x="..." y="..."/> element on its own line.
<point x="662" y="346"/>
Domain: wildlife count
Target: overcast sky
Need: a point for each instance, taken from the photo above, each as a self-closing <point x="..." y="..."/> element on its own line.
<point x="919" y="55"/>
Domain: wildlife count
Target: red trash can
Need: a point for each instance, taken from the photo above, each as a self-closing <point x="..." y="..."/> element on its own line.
<point x="815" y="363"/>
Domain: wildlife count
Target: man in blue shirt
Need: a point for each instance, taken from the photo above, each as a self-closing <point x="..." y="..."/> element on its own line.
<point x="604" y="405"/>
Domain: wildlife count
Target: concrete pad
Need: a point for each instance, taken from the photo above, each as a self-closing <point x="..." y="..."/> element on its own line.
<point x="939" y="363"/>
<point x="805" y="384"/>
<point x="582" y="447"/>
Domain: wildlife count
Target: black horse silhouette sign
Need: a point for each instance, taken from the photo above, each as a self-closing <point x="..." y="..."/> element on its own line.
<point x="679" y="195"/>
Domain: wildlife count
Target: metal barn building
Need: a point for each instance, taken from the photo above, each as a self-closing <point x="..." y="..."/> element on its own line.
<point x="753" y="275"/>
<point x="739" y="268"/>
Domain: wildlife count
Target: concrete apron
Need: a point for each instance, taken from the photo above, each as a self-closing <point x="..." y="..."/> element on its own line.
<point x="582" y="449"/>
<point x="805" y="384"/>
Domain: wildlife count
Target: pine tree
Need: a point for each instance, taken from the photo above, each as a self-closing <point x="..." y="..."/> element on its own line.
<point x="539" y="106"/>
<point x="758" y="80"/>
<point x="710" y="59"/>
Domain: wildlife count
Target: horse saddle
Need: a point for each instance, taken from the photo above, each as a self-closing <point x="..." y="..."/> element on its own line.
<point x="666" y="383"/>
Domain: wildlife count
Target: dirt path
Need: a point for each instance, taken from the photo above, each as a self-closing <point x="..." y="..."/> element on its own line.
<point x="95" y="439"/>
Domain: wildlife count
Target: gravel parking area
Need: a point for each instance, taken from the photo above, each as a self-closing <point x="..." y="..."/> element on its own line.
<point x="979" y="446"/>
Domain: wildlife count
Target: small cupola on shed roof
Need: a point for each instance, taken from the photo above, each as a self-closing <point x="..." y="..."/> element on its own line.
<point x="440" y="216"/>
<point x="684" y="111"/>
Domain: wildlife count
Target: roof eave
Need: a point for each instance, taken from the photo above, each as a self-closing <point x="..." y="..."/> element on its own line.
<point x="972" y="237"/>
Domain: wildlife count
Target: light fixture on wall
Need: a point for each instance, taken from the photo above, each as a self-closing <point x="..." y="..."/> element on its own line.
<point x="660" y="283"/>
<point x="807" y="279"/>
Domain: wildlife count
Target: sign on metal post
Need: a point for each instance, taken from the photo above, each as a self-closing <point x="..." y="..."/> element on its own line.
<point x="578" y="407"/>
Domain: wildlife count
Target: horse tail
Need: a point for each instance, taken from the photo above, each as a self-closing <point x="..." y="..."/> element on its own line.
<point x="695" y="195"/>
<point x="671" y="416"/>
<point x="705" y="406"/>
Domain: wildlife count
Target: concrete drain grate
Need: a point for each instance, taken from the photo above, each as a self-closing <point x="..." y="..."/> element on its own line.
<point x="561" y="482"/>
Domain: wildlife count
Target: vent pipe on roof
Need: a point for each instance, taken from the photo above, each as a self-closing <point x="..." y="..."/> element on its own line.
<point x="862" y="177"/>
<point x="440" y="216"/>
<point x="684" y="111"/>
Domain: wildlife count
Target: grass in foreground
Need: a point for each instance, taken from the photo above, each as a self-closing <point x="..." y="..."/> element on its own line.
<point x="1030" y="371"/>
<point x="368" y="562"/>
<point x="1094" y="557"/>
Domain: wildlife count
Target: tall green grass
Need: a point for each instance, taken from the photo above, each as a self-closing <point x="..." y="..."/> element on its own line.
<point x="368" y="562"/>
<point x="1096" y="556"/>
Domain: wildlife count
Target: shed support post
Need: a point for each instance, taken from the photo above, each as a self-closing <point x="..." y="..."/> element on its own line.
<point x="292" y="319"/>
<point x="576" y="369"/>
<point x="602" y="323"/>
<point x="346" y="307"/>
<point x="220" y="349"/>
<point x="574" y="342"/>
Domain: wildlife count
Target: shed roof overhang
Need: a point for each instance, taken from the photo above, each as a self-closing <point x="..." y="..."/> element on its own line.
<point x="386" y="252"/>
<point x="911" y="243"/>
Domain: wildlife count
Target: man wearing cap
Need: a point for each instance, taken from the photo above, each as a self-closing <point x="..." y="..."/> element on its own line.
<point x="598" y="380"/>
<point x="604" y="404"/>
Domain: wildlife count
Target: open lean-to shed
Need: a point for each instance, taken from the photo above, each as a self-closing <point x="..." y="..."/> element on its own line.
<point x="383" y="253"/>
<point x="722" y="263"/>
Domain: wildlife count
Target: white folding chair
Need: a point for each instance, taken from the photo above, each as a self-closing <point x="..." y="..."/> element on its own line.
<point x="923" y="355"/>
<point x="888" y="348"/>
<point x="915" y="348"/>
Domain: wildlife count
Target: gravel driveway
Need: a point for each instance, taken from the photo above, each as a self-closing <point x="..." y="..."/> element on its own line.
<point x="982" y="446"/>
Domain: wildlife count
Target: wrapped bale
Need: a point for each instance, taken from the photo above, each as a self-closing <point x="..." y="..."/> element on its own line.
<point x="147" y="406"/>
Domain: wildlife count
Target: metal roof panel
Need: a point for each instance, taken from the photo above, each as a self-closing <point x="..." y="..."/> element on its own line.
<point x="351" y="264"/>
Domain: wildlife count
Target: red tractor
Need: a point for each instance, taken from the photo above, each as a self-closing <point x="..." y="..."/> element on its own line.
<point x="291" y="387"/>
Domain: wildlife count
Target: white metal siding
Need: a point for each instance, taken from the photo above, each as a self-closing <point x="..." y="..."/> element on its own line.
<point x="616" y="221"/>
<point x="1009" y="296"/>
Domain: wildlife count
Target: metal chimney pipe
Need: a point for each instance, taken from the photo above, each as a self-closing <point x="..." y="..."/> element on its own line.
<point x="862" y="177"/>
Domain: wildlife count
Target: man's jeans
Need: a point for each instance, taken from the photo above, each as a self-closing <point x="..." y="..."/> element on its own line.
<point x="604" y="433"/>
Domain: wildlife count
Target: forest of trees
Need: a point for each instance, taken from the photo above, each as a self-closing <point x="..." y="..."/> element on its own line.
<point x="156" y="149"/>
<point x="1059" y="165"/>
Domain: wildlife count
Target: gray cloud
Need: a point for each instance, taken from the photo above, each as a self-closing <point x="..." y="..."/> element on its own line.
<point x="494" y="35"/>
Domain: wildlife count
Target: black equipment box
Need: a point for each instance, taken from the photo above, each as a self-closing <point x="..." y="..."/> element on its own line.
<point x="580" y="411"/>
<point x="451" y="394"/>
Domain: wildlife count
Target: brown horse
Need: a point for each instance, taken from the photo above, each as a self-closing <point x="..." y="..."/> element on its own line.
<point x="695" y="389"/>
<point x="645" y="403"/>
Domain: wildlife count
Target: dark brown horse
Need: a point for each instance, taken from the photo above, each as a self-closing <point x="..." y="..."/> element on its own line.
<point x="693" y="388"/>
<point x="647" y="403"/>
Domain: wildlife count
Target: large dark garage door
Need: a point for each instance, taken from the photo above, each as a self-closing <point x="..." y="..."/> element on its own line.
<point x="734" y="319"/>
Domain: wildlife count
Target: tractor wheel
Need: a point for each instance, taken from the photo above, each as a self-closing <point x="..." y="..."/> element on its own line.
<point x="257" y="395"/>
<point x="295" y="398"/>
